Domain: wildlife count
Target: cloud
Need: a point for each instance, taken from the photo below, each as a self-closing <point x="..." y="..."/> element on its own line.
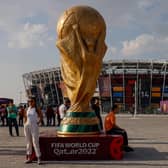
<point x="113" y="50"/>
<point x="146" y="4"/>
<point x="32" y="35"/>
<point x="145" y="43"/>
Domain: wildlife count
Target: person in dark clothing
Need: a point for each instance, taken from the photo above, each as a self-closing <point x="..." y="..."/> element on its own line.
<point x="50" y="116"/>
<point x="3" y="113"/>
<point x="96" y="108"/>
<point x="53" y="117"/>
<point x="21" y="115"/>
<point x="58" y="117"/>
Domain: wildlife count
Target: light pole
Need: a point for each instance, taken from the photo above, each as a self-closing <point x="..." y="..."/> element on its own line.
<point x="135" y="108"/>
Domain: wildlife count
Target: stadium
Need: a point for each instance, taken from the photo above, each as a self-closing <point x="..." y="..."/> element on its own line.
<point x="132" y="84"/>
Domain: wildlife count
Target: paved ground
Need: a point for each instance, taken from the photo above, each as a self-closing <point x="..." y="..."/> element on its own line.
<point x="147" y="134"/>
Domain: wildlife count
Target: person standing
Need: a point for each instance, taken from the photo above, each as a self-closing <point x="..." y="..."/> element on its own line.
<point x="3" y="114"/>
<point x="50" y="114"/>
<point x="21" y="114"/>
<point x="62" y="110"/>
<point x="12" y="118"/>
<point x="58" y="116"/>
<point x="112" y="128"/>
<point x="53" y="116"/>
<point x="33" y="117"/>
<point x="96" y="108"/>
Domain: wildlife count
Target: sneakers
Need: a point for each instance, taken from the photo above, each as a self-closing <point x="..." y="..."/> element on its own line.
<point x="28" y="161"/>
<point x="128" y="149"/>
<point x="39" y="160"/>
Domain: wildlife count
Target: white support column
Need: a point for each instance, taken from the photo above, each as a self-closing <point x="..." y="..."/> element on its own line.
<point x="111" y="99"/>
<point x="151" y="78"/>
<point x="123" y="67"/>
<point x="135" y="108"/>
<point x="137" y="85"/>
<point x="59" y="76"/>
<point x="50" y="84"/>
<point x="55" y="84"/>
<point x="164" y="80"/>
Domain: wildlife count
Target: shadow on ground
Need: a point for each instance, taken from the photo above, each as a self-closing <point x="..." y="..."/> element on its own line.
<point x="11" y="152"/>
<point x="142" y="156"/>
<point x="145" y="154"/>
<point x="139" y="154"/>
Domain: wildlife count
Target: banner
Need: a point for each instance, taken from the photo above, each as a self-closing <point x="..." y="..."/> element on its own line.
<point x="164" y="106"/>
<point x="104" y="86"/>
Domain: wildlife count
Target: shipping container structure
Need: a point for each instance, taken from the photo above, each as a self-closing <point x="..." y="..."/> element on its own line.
<point x="129" y="83"/>
<point x="5" y="101"/>
<point x="45" y="85"/>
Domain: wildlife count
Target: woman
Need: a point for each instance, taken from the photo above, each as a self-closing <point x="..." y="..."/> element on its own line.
<point x="33" y="117"/>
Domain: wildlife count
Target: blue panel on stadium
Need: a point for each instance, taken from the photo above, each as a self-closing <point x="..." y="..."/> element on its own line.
<point x="117" y="94"/>
<point x="165" y="90"/>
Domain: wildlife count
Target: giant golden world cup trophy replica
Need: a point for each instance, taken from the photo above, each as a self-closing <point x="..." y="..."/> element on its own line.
<point x="81" y="42"/>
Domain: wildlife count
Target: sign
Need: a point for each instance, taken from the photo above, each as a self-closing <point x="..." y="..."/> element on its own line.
<point x="75" y="148"/>
<point x="164" y="106"/>
<point x="104" y="86"/>
<point x="88" y="147"/>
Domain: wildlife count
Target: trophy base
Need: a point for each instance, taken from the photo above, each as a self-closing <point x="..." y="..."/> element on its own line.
<point x="79" y="147"/>
<point x="82" y="123"/>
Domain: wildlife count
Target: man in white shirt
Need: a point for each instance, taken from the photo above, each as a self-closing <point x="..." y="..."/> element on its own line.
<point x="62" y="110"/>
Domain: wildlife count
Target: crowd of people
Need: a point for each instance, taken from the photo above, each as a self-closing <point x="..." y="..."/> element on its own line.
<point x="51" y="116"/>
<point x="30" y="116"/>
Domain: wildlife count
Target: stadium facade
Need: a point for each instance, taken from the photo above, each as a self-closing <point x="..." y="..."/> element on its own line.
<point x="130" y="84"/>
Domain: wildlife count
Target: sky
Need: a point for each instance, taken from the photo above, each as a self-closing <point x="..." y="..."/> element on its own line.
<point x="136" y="29"/>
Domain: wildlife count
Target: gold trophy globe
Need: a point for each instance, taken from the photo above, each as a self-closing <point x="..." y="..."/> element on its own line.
<point x="81" y="42"/>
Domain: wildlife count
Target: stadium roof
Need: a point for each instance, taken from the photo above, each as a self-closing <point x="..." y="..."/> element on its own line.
<point x="115" y="67"/>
